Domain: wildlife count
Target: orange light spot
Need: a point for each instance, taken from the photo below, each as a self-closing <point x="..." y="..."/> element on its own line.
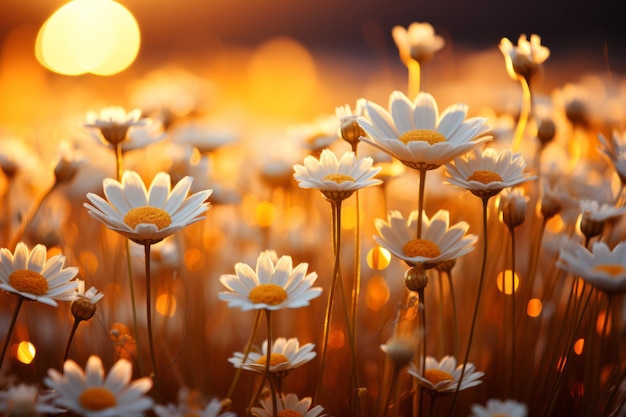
<point x="378" y="258"/>
<point x="25" y="352"/>
<point x="503" y="281"/>
<point x="193" y="259"/>
<point x="377" y="293"/>
<point x="88" y="261"/>
<point x="533" y="309"/>
<point x="578" y="346"/>
<point x="348" y="217"/>
<point x="265" y="214"/>
<point x="166" y="305"/>
<point x="336" y="339"/>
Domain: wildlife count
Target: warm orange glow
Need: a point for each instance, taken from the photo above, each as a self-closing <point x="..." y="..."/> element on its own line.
<point x="88" y="261"/>
<point x="578" y="346"/>
<point x="503" y="281"/>
<point x="533" y="309"/>
<point x="600" y="322"/>
<point x="193" y="259"/>
<point x="88" y="36"/>
<point x="555" y="224"/>
<point x="348" y="217"/>
<point x="295" y="217"/>
<point x="214" y="239"/>
<point x="377" y="293"/>
<point x="53" y="251"/>
<point x="166" y="305"/>
<point x="336" y="339"/>
<point x="378" y="258"/>
<point x="25" y="352"/>
<point x="266" y="214"/>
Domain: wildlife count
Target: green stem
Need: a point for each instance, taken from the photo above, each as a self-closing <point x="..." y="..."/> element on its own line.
<point x="69" y="340"/>
<point x="233" y="384"/>
<point x="157" y="387"/>
<point x="7" y="339"/>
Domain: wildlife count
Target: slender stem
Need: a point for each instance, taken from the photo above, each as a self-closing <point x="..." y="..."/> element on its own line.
<point x="421" y="202"/>
<point x="414" y="78"/>
<point x="422" y="309"/>
<point x="512" y="392"/>
<point x="524" y="113"/>
<point x="455" y="321"/>
<point x="7" y="339"/>
<point x="233" y="384"/>
<point x="392" y="390"/>
<point x="69" y="340"/>
<point x="441" y="321"/>
<point x="157" y="388"/>
<point x="480" y="285"/>
<point x="29" y="217"/>
<point x="268" y="361"/>
<point x="119" y="165"/>
<point x="356" y="289"/>
<point x="433" y="401"/>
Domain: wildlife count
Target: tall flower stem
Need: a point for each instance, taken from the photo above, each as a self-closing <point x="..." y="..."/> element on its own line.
<point x="422" y="309"/>
<point x="157" y="387"/>
<point x="485" y="201"/>
<point x="392" y="393"/>
<point x="512" y="359"/>
<point x="420" y="205"/>
<point x="414" y="78"/>
<point x="235" y="380"/>
<point x="524" y="113"/>
<point x="268" y="361"/>
<point x="7" y="339"/>
<point x="455" y="322"/>
<point x="69" y="340"/>
<point x="356" y="288"/>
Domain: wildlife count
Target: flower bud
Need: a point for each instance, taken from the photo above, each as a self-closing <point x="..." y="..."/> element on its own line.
<point x="590" y="227"/>
<point x="550" y="206"/>
<point x="400" y="350"/>
<point x="546" y="131"/>
<point x="351" y="131"/>
<point x="513" y="208"/>
<point x="415" y="278"/>
<point x="83" y="309"/>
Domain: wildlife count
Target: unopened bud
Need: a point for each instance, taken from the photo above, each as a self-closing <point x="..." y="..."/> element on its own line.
<point x="513" y="208"/>
<point x="546" y="131"/>
<point x="351" y="131"/>
<point x="415" y="278"/>
<point x="550" y="206"/>
<point x="591" y="228"/>
<point x="83" y="309"/>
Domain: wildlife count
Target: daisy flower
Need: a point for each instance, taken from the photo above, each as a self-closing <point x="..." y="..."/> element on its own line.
<point x="203" y="136"/>
<point x="417" y="42"/>
<point x="486" y="173"/>
<point x="614" y="149"/>
<point x="336" y="178"/>
<point x="400" y="350"/>
<point x="416" y="134"/>
<point x="498" y="408"/>
<point x="287" y="354"/>
<point x="212" y="409"/>
<point x="89" y="394"/>
<point x="513" y="207"/>
<point x="69" y="163"/>
<point x="599" y="212"/>
<point x="289" y="403"/>
<point x="113" y="123"/>
<point x="348" y="123"/>
<point x="147" y="216"/>
<point x="28" y="274"/>
<point x="526" y="58"/>
<point x="84" y="306"/>
<point x="317" y="135"/>
<point x="273" y="286"/>
<point x="441" y="378"/>
<point x="26" y="400"/>
<point x="601" y="267"/>
<point x="439" y="242"/>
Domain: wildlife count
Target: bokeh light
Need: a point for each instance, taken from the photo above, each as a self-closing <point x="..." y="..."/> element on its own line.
<point x="378" y="258"/>
<point x="533" y="308"/>
<point x="503" y="281"/>
<point x="166" y="305"/>
<point x="25" y="352"/>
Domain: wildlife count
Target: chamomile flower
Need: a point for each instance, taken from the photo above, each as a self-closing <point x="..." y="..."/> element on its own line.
<point x="349" y="127"/>
<point x="24" y="400"/>
<point x="614" y="149"/>
<point x="114" y="122"/>
<point x="89" y="394"/>
<point x="486" y="173"/>
<point x="336" y="178"/>
<point x="418" y="42"/>
<point x="439" y="242"/>
<point x="212" y="409"/>
<point x="28" y="274"/>
<point x="287" y="354"/>
<point x="441" y="378"/>
<point x="274" y="285"/>
<point x="419" y="136"/>
<point x="147" y="216"/>
<point x="289" y="405"/>
<point x="498" y="408"/>
<point x="601" y="267"/>
<point x="84" y="306"/>
<point x="526" y="58"/>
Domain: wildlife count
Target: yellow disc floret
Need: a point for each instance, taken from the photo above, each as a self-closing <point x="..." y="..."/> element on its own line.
<point x="275" y="359"/>
<point x="97" y="398"/>
<point x="485" y="176"/>
<point x="27" y="281"/>
<point x="338" y="178"/>
<point x="435" y="376"/>
<point x="270" y="294"/>
<point x="147" y="214"/>
<point x="613" y="270"/>
<point x="422" y="135"/>
<point x="421" y="247"/>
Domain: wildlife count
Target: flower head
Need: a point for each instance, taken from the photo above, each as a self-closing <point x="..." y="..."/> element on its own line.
<point x="28" y="274"/>
<point x="526" y="58"/>
<point x="498" y="408"/>
<point x="147" y="216"/>
<point x="336" y="178"/>
<point x="317" y="135"/>
<point x="114" y="122"/>
<point x="487" y="173"/>
<point x="513" y="207"/>
<point x="417" y="42"/>
<point x="89" y="394"/>
<point x="416" y="134"/>
<point x="84" y="306"/>
<point x="273" y="286"/>
<point x="287" y="354"/>
<point x="189" y="404"/>
<point x="68" y="164"/>
<point x="441" y="378"/>
<point x="349" y="126"/>
<point x="25" y="400"/>
<point x="203" y="137"/>
<point x="439" y="242"/>
<point x="614" y="149"/>
<point x="400" y="350"/>
<point x="601" y="267"/>
<point x="289" y="405"/>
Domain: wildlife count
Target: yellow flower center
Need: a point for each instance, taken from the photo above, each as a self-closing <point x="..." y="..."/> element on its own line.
<point x="270" y="294"/>
<point x="31" y="282"/>
<point x="484" y="176"/>
<point x="338" y="178"/>
<point x="435" y="376"/>
<point x="611" y="269"/>
<point x="97" y="398"/>
<point x="422" y="135"/>
<point x="421" y="247"/>
<point x="289" y="413"/>
<point x="275" y="359"/>
<point x="146" y="214"/>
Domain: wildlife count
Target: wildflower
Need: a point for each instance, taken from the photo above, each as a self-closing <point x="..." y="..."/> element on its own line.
<point x="287" y="354"/>
<point x="417" y="135"/>
<point x="400" y="350"/>
<point x="513" y="207"/>
<point x="147" y="217"/>
<point x="439" y="242"/>
<point x="84" y="306"/>
<point x="487" y="173"/>
<point x="89" y="394"/>
<point x="336" y="179"/>
<point x="189" y="405"/>
<point x="417" y="42"/>
<point x="24" y="400"/>
<point x="601" y="267"/>
<point x="614" y="149"/>
<point x="70" y="161"/>
<point x="442" y="378"/>
<point x="202" y="136"/>
<point x="498" y="408"/>
<point x="273" y="286"/>
<point x="114" y="123"/>
<point x="526" y="58"/>
<point x="317" y="135"/>
<point x="28" y="274"/>
<point x="349" y="127"/>
<point x="287" y="405"/>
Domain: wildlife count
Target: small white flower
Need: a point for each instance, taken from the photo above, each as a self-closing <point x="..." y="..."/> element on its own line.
<point x="203" y="136"/>
<point x="212" y="409"/>
<point x="441" y="378"/>
<point x="526" y="58"/>
<point x="417" y="42"/>
<point x="498" y="408"/>
<point x="595" y="211"/>
<point x="289" y="402"/>
<point x="287" y="354"/>
<point x="25" y="400"/>
<point x="317" y="135"/>
<point x="114" y="122"/>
